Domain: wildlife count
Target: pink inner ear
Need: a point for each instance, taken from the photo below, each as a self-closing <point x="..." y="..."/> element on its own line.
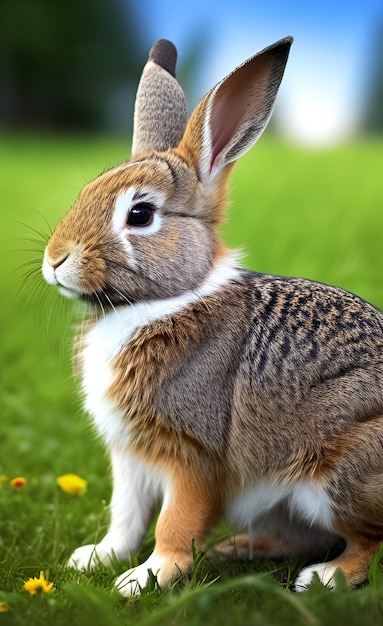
<point x="239" y="99"/>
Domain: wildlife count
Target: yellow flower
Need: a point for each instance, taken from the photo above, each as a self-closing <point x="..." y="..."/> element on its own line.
<point x="3" y="479"/>
<point x="19" y="482"/>
<point x="3" y="607"/>
<point x="33" y="585"/>
<point x="71" y="483"/>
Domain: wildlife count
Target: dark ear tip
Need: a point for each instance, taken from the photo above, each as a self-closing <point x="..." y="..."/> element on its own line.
<point x="164" y="53"/>
<point x="284" y="44"/>
<point x="279" y="50"/>
<point x="287" y="41"/>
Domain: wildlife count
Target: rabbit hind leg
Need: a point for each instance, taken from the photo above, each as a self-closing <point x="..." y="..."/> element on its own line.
<point x="248" y="547"/>
<point x="353" y="562"/>
<point x="277" y="536"/>
<point x="357" y="491"/>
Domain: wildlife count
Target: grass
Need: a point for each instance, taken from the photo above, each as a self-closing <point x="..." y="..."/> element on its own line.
<point x="293" y="212"/>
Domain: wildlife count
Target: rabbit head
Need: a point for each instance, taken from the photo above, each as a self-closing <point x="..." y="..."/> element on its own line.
<point x="147" y="229"/>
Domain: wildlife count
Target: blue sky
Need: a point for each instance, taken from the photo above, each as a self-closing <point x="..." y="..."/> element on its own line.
<point x="328" y="70"/>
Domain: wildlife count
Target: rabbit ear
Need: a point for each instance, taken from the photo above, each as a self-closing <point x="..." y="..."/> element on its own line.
<point x="161" y="112"/>
<point x="233" y="115"/>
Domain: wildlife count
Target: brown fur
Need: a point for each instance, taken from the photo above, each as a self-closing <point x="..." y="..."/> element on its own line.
<point x="196" y="507"/>
<point x="141" y="374"/>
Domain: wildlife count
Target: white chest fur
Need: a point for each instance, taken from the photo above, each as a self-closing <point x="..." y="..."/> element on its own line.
<point x="101" y="345"/>
<point x="110" y="334"/>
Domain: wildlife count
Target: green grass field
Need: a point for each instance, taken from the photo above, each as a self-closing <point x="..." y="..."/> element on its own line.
<point x="294" y="212"/>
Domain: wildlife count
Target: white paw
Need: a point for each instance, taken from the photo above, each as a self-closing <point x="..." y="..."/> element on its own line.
<point x="131" y="582"/>
<point x="325" y="573"/>
<point x="89" y="557"/>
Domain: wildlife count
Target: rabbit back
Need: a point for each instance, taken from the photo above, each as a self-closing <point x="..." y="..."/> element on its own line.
<point x="310" y="377"/>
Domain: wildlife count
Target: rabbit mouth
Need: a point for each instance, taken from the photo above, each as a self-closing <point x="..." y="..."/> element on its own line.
<point x="68" y="293"/>
<point x="99" y="299"/>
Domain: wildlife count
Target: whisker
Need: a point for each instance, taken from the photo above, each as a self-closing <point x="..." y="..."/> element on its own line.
<point x="83" y="323"/>
<point x="38" y="250"/>
<point x="34" y="240"/>
<point x="129" y="301"/>
<point x="108" y="299"/>
<point x="123" y="296"/>
<point x="30" y="274"/>
<point x="111" y="304"/>
<point x="39" y="286"/>
<point x="36" y="262"/>
<point x="43" y="295"/>
<point x="50" y="229"/>
<point x="43" y="236"/>
<point x="27" y="278"/>
<point x="25" y="271"/>
<point x="100" y="303"/>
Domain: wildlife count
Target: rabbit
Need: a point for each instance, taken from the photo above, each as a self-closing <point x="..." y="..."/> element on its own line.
<point x="220" y="393"/>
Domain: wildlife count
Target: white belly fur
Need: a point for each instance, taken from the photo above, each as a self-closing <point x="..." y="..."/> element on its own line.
<point x="306" y="500"/>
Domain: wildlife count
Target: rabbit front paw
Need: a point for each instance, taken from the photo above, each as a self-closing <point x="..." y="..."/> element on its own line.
<point x="89" y="557"/>
<point x="131" y="582"/>
<point x="166" y="568"/>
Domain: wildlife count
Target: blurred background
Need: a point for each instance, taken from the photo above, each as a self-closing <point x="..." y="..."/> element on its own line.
<point x="74" y="66"/>
<point x="306" y="201"/>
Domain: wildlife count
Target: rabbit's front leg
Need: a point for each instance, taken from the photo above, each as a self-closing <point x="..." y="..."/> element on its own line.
<point x="191" y="506"/>
<point x="135" y="491"/>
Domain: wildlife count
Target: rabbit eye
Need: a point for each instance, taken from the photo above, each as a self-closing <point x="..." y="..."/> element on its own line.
<point x="140" y="215"/>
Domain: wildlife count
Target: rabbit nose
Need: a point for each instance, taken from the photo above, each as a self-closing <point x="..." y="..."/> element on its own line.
<point x="51" y="265"/>
<point x="57" y="262"/>
<point x="48" y="270"/>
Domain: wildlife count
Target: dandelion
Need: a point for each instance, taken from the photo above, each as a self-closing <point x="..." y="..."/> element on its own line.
<point x="34" y="585"/>
<point x="18" y="483"/>
<point x="71" y="483"/>
<point x="3" y="607"/>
